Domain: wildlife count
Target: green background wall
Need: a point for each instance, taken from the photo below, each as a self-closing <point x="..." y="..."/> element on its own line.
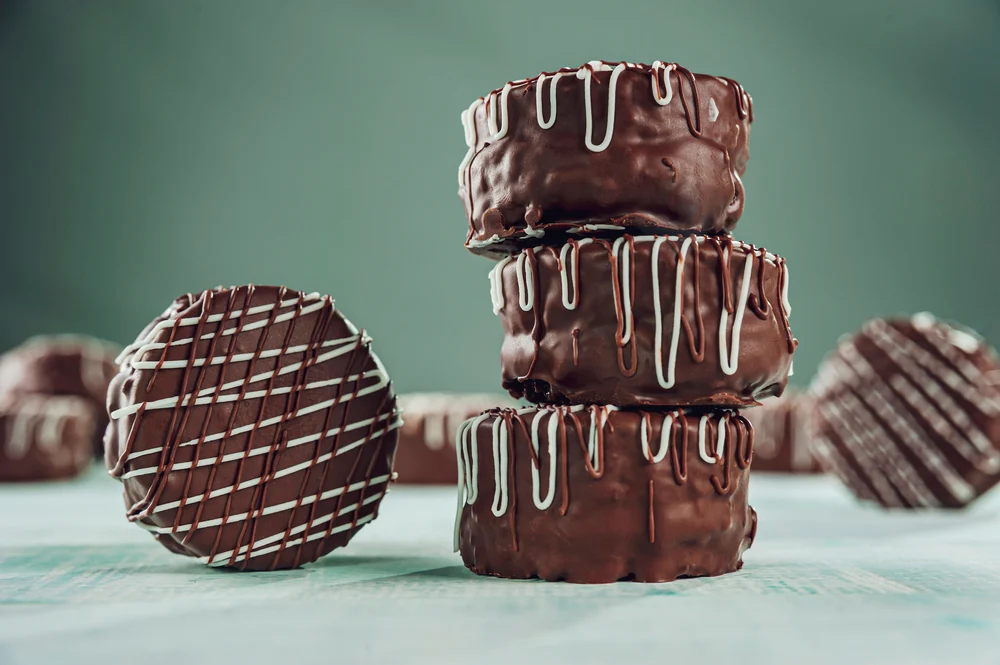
<point x="149" y="149"/>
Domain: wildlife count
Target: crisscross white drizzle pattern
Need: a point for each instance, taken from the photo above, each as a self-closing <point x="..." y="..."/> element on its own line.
<point x="228" y="364"/>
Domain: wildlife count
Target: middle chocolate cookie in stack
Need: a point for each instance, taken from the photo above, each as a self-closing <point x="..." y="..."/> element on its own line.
<point x="633" y="320"/>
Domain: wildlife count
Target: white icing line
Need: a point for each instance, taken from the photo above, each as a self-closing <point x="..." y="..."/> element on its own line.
<point x="554" y="417"/>
<point x="569" y="257"/>
<point x="525" y="283"/>
<point x="469" y="125"/>
<point x="654" y="74"/>
<point x="545" y="124"/>
<point x="265" y="449"/>
<point x="260" y="547"/>
<point x="720" y="443"/>
<point x="665" y="431"/>
<point x="491" y="114"/>
<point x="668" y="382"/>
<point x="139" y="347"/>
<point x="499" y="506"/>
<point x="587" y="74"/>
<point x="267" y="510"/>
<point x="731" y="364"/>
<point x="496" y="284"/>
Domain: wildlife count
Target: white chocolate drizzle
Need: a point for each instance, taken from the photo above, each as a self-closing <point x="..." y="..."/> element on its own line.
<point x="546" y="454"/>
<point x="622" y="253"/>
<point x="149" y="354"/>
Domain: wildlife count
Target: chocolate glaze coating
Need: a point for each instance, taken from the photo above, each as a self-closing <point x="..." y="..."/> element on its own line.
<point x="675" y="166"/>
<point x="426" y="451"/>
<point x="782" y="441"/>
<point x="292" y="434"/>
<point x="63" y="365"/>
<point x="908" y="413"/>
<point x="604" y="507"/>
<point x="44" y="437"/>
<point x="602" y="348"/>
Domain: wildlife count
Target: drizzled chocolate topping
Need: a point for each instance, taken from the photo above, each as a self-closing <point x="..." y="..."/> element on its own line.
<point x="252" y="427"/>
<point x="604" y="147"/>
<point x="595" y="494"/>
<point x="649" y="320"/>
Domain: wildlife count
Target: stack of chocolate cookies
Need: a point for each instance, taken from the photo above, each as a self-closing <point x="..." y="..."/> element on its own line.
<point x="635" y="324"/>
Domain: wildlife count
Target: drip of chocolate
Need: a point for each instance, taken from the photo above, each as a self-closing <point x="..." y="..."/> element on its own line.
<point x="647" y="320"/>
<point x="908" y="414"/>
<point x="606" y="147"/>
<point x="44" y="437"/>
<point x="66" y="365"/>
<point x="596" y="494"/>
<point x="782" y="441"/>
<point x="252" y="427"/>
<point x="426" y="451"/>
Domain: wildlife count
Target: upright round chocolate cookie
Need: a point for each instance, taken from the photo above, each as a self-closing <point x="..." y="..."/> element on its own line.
<point x="782" y="441"/>
<point x="63" y="365"/>
<point x="594" y="494"/>
<point x="426" y="451"/>
<point x="647" y="320"/>
<point x="604" y="147"/>
<point x="908" y="413"/>
<point x="44" y="437"/>
<point x="252" y="427"/>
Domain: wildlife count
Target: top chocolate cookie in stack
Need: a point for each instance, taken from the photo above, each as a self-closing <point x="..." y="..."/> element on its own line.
<point x="606" y="147"/>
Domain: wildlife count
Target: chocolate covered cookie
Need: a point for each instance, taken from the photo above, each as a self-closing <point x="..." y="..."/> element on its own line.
<point x="68" y="365"/>
<point x="647" y="320"/>
<point x="44" y="437"/>
<point x="604" y="148"/>
<point x="908" y="413"/>
<point x="252" y="427"/>
<point x="782" y="441"/>
<point x="426" y="451"/>
<point x="594" y="494"/>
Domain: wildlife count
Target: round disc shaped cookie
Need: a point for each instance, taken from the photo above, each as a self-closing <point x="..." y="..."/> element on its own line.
<point x="606" y="147"/>
<point x="644" y="321"/>
<point x="252" y="427"/>
<point x="69" y="365"/>
<point x="596" y="494"/>
<point x="43" y="437"/>
<point x="426" y="451"/>
<point x="908" y="413"/>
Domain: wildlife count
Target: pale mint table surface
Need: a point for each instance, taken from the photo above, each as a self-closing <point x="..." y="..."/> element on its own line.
<point x="828" y="581"/>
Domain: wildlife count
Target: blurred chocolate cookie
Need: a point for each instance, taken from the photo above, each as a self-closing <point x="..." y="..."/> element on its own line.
<point x="908" y="413"/>
<point x="66" y="365"/>
<point x="44" y="437"/>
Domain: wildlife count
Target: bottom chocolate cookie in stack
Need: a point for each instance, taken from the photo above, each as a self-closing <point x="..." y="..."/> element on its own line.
<point x="426" y="450"/>
<point x="781" y="434"/>
<point x="44" y="438"/>
<point x="596" y="494"/>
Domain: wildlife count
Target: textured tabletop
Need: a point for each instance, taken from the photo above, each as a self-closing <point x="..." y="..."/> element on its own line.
<point x="827" y="581"/>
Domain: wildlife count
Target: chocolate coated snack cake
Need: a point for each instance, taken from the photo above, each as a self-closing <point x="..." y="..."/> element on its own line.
<point x="604" y="148"/>
<point x="648" y="320"/>
<point x="252" y="427"/>
<point x="595" y="494"/>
